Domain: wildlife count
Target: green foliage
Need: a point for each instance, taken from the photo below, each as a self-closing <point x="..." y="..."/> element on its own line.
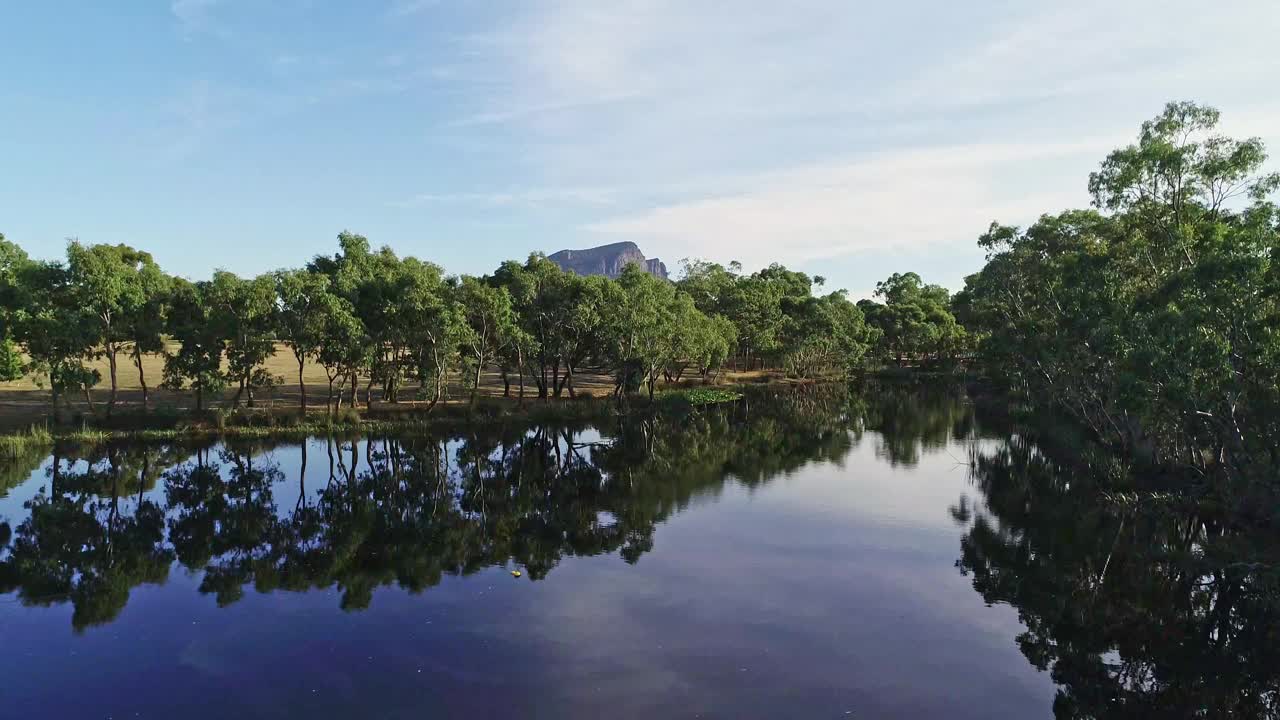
<point x="245" y="313"/>
<point x="14" y="290"/>
<point x="915" y="320"/>
<point x="56" y="330"/>
<point x="123" y="290"/>
<point x="1156" y="325"/>
<point x="11" y="365"/>
<point x="698" y="397"/>
<point x="490" y="323"/>
<point x="313" y="321"/>
<point x="201" y="341"/>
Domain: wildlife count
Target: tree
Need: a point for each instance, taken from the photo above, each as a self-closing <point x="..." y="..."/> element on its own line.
<point x="637" y="332"/>
<point x="201" y="341"/>
<point x="1154" y="319"/>
<point x="825" y="333"/>
<point x="118" y="286"/>
<point x="145" y="327"/>
<point x="433" y="326"/>
<point x="58" y="333"/>
<point x="915" y="319"/>
<point x="342" y="345"/>
<point x="490" y="324"/>
<point x="14" y="266"/>
<point x="304" y="312"/>
<point x="543" y="299"/>
<point x="246" y="312"/>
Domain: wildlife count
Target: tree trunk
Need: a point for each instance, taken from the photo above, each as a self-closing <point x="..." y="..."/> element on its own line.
<point x="199" y="396"/>
<point x="142" y="379"/>
<point x="240" y="392"/>
<point x="506" y="383"/>
<point x="556" y="388"/>
<point x="475" y="388"/>
<point x="328" y="400"/>
<point x="302" y="387"/>
<point x="568" y="380"/>
<point x="520" y="368"/>
<point x="111" y="364"/>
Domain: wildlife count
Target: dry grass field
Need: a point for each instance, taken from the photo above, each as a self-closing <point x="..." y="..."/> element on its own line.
<point x="23" y="403"/>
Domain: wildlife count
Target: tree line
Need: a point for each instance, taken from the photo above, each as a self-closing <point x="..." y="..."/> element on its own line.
<point x="373" y="319"/>
<point x="1152" y="318"/>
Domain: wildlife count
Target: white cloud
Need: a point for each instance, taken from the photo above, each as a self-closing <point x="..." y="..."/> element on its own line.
<point x="816" y="129"/>
<point x="906" y="200"/>
<point x="529" y="198"/>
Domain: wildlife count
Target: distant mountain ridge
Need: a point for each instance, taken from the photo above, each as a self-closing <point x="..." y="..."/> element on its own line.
<point x="607" y="260"/>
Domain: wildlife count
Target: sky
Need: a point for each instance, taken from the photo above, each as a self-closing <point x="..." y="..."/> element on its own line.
<point x="845" y="139"/>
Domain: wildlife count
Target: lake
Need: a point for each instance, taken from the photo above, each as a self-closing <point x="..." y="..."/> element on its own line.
<point x="816" y="553"/>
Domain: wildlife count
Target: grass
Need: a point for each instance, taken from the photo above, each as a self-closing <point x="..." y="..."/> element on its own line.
<point x="24" y="406"/>
<point x="18" y="444"/>
<point x="290" y="424"/>
<point x="698" y="397"/>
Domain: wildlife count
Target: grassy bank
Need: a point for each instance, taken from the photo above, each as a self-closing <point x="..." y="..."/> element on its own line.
<point x="291" y="424"/>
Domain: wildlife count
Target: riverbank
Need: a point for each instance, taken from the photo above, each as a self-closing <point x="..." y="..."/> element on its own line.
<point x="290" y="424"/>
<point x="23" y="403"/>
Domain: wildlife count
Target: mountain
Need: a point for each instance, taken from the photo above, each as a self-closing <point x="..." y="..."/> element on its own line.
<point x="607" y="260"/>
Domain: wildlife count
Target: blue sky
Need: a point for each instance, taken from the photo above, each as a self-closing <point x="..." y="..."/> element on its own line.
<point x="842" y="138"/>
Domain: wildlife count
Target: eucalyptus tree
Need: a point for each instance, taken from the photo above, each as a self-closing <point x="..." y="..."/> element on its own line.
<point x="638" y="329"/>
<point x="120" y="287"/>
<point x="490" y="322"/>
<point x="14" y="266"/>
<point x="246" y="312"/>
<point x="540" y="293"/>
<point x="341" y="348"/>
<point x="825" y="334"/>
<point x="581" y="321"/>
<point x="303" y="299"/>
<point x="433" y="326"/>
<point x="58" y="333"/>
<point x="914" y="319"/>
<point x="201" y="340"/>
<point x="1157" y="324"/>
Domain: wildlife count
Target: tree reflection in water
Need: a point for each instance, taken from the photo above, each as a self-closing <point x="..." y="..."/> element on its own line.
<point x="395" y="511"/>
<point x="1140" y="604"/>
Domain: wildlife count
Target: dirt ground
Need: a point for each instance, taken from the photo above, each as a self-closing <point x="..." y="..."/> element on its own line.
<point x="23" y="403"/>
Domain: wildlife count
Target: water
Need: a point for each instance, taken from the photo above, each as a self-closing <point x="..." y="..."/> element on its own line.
<point x="804" y="554"/>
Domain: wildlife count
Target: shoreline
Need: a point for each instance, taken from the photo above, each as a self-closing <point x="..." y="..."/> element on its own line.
<point x="289" y="424"/>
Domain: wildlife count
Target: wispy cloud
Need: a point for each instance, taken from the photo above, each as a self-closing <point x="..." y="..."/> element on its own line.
<point x="829" y="128"/>
<point x="193" y="16"/>
<point x="528" y="198"/>
<point x="405" y="8"/>
<point x="521" y="112"/>
<point x="907" y="200"/>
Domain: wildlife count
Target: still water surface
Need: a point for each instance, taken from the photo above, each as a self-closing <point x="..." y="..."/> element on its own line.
<point x="800" y="555"/>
